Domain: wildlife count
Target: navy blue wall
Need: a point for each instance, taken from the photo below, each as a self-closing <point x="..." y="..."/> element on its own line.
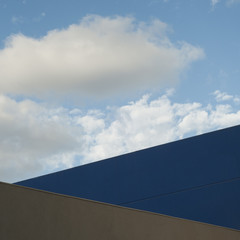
<point x="197" y="178"/>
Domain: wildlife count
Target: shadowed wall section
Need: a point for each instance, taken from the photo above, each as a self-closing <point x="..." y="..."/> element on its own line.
<point x="33" y="214"/>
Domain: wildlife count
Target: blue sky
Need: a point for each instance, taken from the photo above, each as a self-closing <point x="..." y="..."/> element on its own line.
<point x="82" y="81"/>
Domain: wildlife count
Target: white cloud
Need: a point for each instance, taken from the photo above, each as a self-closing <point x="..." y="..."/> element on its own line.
<point x="99" y="55"/>
<point x="214" y="2"/>
<point x="222" y="96"/>
<point x="17" y="19"/>
<point x="230" y="2"/>
<point x="31" y="136"/>
<point x="236" y="99"/>
<point x="145" y="123"/>
<point x="40" y="17"/>
<point x="36" y="139"/>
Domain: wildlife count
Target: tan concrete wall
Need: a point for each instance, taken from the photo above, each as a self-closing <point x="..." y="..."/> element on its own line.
<point x="27" y="214"/>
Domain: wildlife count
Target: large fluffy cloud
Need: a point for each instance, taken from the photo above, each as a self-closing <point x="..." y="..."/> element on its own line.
<point x="36" y="139"/>
<point x="146" y="123"/>
<point x="98" y="55"/>
<point x="31" y="136"/>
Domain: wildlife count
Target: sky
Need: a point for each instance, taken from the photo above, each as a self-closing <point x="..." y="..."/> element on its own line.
<point x="81" y="81"/>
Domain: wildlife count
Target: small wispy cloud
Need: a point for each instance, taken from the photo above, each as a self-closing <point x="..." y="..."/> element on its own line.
<point x="227" y="2"/>
<point x="231" y="2"/>
<point x="40" y="17"/>
<point x="214" y="2"/>
<point x="223" y="96"/>
<point x="17" y="19"/>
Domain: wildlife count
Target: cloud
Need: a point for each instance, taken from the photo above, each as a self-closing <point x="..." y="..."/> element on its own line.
<point x="36" y="139"/>
<point x="147" y="123"/>
<point x="231" y="2"/>
<point x="40" y="17"/>
<point x="228" y="2"/>
<point x="222" y="96"/>
<point x="214" y="2"/>
<point x="100" y="55"/>
<point x="32" y="136"/>
<point x="17" y="20"/>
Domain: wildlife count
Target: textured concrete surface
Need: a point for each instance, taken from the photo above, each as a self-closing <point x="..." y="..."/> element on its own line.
<point x="33" y="214"/>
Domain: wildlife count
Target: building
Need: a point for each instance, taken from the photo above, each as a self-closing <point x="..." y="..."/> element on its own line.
<point x="189" y="189"/>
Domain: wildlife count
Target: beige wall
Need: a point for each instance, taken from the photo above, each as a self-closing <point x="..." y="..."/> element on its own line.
<point x="31" y="214"/>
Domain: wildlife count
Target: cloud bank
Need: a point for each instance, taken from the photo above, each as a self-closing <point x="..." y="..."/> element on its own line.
<point x="99" y="55"/>
<point x="36" y="139"/>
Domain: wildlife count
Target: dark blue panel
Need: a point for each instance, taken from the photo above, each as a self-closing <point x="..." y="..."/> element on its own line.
<point x="197" y="161"/>
<point x="216" y="204"/>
